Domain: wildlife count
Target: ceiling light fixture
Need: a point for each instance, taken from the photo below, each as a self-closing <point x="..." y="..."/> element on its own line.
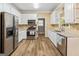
<point x="36" y="5"/>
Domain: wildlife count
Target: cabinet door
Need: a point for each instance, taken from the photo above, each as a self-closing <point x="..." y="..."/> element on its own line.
<point x="21" y="34"/>
<point x="32" y="16"/>
<point x="23" y="19"/>
<point x="53" y="37"/>
<point x="57" y="18"/>
<point x="53" y="20"/>
<point x="73" y="46"/>
<point x="69" y="13"/>
<point x="76" y="12"/>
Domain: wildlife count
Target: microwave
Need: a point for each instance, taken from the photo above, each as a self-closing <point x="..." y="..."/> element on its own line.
<point x="31" y="22"/>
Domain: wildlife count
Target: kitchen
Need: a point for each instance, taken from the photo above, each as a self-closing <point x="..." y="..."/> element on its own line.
<point x="58" y="24"/>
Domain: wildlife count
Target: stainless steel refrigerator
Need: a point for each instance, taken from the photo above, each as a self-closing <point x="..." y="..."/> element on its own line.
<point x="7" y="33"/>
<point x="15" y="41"/>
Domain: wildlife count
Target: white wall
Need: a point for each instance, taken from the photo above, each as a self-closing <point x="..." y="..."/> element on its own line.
<point x="5" y="7"/>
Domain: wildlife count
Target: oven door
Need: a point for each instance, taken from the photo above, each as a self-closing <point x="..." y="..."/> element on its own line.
<point x="30" y="33"/>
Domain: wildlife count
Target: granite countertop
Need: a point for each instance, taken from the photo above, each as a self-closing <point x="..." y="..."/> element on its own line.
<point x="71" y="34"/>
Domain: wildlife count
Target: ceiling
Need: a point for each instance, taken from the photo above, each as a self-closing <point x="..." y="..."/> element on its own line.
<point x="28" y="7"/>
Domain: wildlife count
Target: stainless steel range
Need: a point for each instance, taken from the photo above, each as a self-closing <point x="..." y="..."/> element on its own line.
<point x="31" y="32"/>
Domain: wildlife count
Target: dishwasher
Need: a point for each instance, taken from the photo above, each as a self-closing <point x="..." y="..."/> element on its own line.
<point x="62" y="45"/>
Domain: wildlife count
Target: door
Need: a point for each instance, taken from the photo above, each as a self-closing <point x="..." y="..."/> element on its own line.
<point x="41" y="26"/>
<point x="15" y="40"/>
<point x="8" y="33"/>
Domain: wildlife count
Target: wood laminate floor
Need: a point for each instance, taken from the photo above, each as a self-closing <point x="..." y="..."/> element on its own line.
<point x="38" y="47"/>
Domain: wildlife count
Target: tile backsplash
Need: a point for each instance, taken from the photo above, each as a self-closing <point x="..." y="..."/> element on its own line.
<point x="67" y="27"/>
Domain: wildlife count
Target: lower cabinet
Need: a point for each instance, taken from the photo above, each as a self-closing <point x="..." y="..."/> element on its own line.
<point x="73" y="46"/>
<point x="67" y="46"/>
<point x="59" y="41"/>
<point x="53" y="37"/>
<point x="22" y="34"/>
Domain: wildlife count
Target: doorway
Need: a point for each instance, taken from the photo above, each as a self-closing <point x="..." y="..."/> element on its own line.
<point x="41" y="26"/>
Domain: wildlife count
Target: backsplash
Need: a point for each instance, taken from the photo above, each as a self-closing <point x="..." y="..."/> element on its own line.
<point x="53" y="27"/>
<point x="67" y="27"/>
<point x="75" y="26"/>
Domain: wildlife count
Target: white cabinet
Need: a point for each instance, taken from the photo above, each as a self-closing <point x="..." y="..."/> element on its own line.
<point x="69" y="13"/>
<point x="32" y="16"/>
<point x="77" y="13"/>
<point x="54" y="18"/>
<point x="25" y="17"/>
<point x="73" y="46"/>
<point x="21" y="34"/>
<point x="53" y="37"/>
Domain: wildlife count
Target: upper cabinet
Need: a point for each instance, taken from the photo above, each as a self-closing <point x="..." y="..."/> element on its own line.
<point x="76" y="12"/>
<point x="69" y="13"/>
<point x="54" y="17"/>
<point x="52" y="21"/>
<point x="25" y="17"/>
<point x="57" y="14"/>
